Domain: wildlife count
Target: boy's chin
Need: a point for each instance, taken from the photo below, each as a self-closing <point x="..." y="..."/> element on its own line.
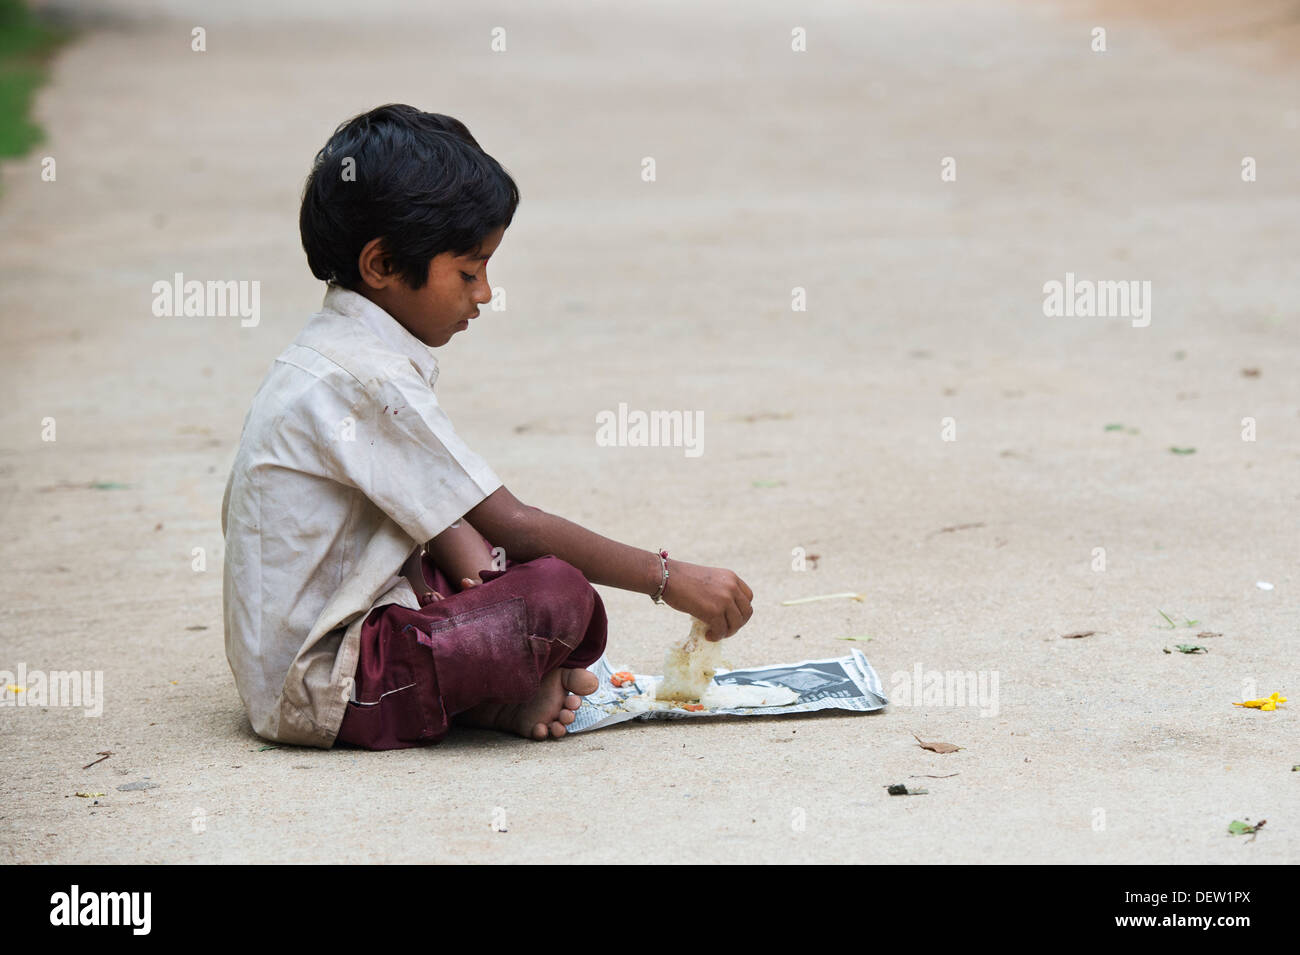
<point x="439" y="339"/>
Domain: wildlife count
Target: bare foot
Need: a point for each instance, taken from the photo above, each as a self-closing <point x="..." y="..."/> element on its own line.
<point x="543" y="715"/>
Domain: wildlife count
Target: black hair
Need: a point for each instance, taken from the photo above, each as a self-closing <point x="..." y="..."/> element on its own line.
<point x="417" y="180"/>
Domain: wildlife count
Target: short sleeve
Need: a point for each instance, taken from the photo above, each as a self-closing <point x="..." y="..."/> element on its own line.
<point x="395" y="444"/>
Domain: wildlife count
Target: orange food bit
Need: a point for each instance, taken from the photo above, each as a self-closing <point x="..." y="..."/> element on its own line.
<point x="693" y="707"/>
<point x="622" y="678"/>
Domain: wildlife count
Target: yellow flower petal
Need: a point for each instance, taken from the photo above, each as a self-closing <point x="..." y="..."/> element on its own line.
<point x="1268" y="703"/>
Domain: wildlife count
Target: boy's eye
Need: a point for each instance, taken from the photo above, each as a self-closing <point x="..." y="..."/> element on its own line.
<point x="467" y="277"/>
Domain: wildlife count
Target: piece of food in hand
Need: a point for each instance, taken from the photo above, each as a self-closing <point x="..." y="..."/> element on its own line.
<point x="689" y="666"/>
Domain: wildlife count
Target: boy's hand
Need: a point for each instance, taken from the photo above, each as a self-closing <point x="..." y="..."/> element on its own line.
<point x="713" y="594"/>
<point x="433" y="595"/>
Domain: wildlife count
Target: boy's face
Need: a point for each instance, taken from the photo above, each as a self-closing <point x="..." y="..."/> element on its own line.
<point x="457" y="285"/>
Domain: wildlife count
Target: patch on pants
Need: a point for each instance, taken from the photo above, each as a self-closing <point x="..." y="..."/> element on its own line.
<point x="485" y="655"/>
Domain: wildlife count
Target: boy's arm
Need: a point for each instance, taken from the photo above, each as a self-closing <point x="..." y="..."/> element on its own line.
<point x="461" y="552"/>
<point x="713" y="594"/>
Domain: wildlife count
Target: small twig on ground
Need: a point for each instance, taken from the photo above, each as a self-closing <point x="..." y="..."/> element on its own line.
<point x="103" y="755"/>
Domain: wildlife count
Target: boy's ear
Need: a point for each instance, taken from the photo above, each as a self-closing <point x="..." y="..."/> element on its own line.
<point x="374" y="265"/>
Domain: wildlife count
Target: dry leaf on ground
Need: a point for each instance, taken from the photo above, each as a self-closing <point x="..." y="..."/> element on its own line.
<point x="936" y="747"/>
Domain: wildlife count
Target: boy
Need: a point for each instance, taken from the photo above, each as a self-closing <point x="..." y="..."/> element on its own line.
<point x="362" y="600"/>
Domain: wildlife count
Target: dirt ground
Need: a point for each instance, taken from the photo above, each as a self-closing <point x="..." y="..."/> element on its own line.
<point x="824" y="428"/>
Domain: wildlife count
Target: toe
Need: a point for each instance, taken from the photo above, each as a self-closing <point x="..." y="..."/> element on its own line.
<point x="539" y="731"/>
<point x="580" y="682"/>
<point x="566" y="717"/>
<point x="572" y="702"/>
<point x="557" y="729"/>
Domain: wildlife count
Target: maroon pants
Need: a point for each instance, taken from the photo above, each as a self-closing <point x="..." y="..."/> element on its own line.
<point x="489" y="644"/>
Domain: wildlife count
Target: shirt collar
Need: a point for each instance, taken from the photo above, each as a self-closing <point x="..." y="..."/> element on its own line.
<point x="388" y="329"/>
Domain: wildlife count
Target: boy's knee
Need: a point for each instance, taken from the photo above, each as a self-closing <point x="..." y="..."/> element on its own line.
<point x="561" y="578"/>
<point x="562" y="601"/>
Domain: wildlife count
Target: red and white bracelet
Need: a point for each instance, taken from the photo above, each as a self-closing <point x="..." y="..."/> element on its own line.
<point x="663" y="563"/>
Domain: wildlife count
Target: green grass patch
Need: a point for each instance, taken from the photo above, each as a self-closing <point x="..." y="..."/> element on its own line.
<point x="26" y="44"/>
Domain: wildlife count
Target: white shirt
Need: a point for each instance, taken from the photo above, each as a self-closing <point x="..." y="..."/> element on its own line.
<point x="346" y="464"/>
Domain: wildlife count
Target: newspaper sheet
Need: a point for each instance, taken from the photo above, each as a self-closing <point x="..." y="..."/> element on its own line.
<point x="845" y="683"/>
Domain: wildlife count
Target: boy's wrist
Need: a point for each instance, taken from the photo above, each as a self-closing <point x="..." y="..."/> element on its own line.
<point x="652" y="574"/>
